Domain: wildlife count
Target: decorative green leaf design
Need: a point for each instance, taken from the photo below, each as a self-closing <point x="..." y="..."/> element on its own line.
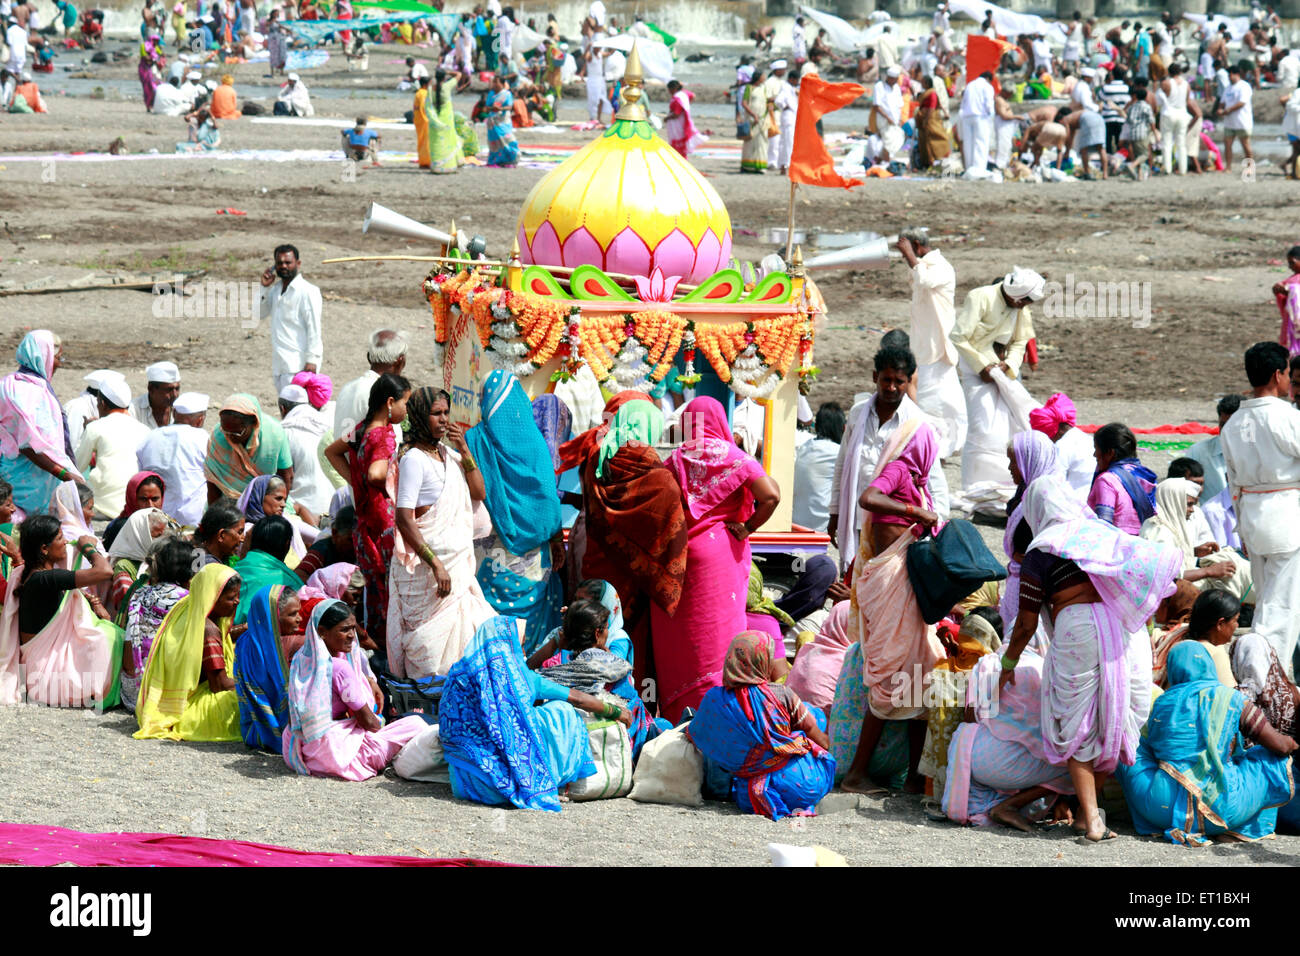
<point x="724" y="286"/>
<point x="588" y="282"/>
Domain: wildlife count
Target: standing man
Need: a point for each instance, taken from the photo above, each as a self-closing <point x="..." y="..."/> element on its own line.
<point x="977" y="122"/>
<point x="387" y="353"/>
<point x="887" y="103"/>
<point x="1261" y="449"/>
<point x="934" y="289"/>
<point x="886" y="49"/>
<point x="154" y="408"/>
<point x="176" y="453"/>
<point x="873" y="420"/>
<point x="799" y="42"/>
<point x="991" y="332"/>
<point x="294" y="307"/>
<point x="787" y="104"/>
<point x="1238" y="114"/>
<point x="772" y="87"/>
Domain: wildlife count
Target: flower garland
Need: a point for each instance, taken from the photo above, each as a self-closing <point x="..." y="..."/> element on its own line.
<point x="630" y="368"/>
<point x="751" y="377"/>
<point x="807" y="372"/>
<point x="602" y="338"/>
<point x="570" y="348"/>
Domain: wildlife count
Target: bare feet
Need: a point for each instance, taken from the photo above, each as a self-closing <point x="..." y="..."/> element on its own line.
<point x="1010" y="817"/>
<point x="862" y="785"/>
<point x="915" y="784"/>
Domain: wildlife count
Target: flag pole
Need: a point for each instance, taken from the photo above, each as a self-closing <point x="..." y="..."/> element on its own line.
<point x="789" y="225"/>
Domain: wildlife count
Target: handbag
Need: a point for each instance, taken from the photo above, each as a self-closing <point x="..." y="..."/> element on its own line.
<point x="773" y="127"/>
<point x="947" y="568"/>
<point x="611" y="752"/>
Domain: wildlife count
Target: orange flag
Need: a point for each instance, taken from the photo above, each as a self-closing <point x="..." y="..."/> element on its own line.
<point x="983" y="54"/>
<point x="810" y="162"/>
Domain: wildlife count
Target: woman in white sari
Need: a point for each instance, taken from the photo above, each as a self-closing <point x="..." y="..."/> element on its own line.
<point x="1205" y="564"/>
<point x="435" y="604"/>
<point x="1094" y="588"/>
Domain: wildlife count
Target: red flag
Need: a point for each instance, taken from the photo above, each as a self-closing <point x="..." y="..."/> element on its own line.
<point x="810" y="162"/>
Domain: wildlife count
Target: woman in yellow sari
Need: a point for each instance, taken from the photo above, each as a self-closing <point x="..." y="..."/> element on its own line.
<point x="188" y="692"/>
<point x="753" y="155"/>
<point x="420" y="118"/>
<point x="444" y="143"/>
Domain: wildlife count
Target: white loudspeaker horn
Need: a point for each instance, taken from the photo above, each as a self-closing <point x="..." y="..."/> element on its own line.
<point x="382" y="219"/>
<point x="870" y="255"/>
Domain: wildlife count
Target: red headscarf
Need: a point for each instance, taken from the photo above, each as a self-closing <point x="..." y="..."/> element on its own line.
<point x="709" y="466"/>
<point x="319" y="387"/>
<point x="1057" y="411"/>
<point x="133" y="489"/>
<point x="574" y="452"/>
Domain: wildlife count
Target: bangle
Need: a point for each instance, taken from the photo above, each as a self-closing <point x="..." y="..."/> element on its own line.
<point x="910" y="510"/>
<point x="611" y="712"/>
<point x="1009" y="663"/>
<point x="63" y="474"/>
<point x="468" y="464"/>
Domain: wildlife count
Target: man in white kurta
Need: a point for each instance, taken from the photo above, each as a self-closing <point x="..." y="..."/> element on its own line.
<point x="1209" y="451"/>
<point x="787" y="105"/>
<point x="85" y="407"/>
<point x="772" y="87"/>
<point x="387" y="353"/>
<point x="293" y="306"/>
<point x="976" y="121"/>
<point x="153" y="408"/>
<point x="887" y="102"/>
<point x="305" y="427"/>
<point x="177" y="452"/>
<point x="1261" y="449"/>
<point x="992" y="315"/>
<point x="872" y="422"/>
<point x="938" y="389"/>
<point x="111" y="444"/>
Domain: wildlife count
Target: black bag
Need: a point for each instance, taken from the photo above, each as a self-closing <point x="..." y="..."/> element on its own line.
<point x="949" y="567"/>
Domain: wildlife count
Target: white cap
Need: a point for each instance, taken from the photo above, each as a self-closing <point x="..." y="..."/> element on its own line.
<point x="292" y="77"/>
<point x="115" y="390"/>
<point x="92" y="378"/>
<point x="894" y="71"/>
<point x="779" y="64"/>
<point x="190" y="403"/>
<point x="165" y="372"/>
<point x="295" y="394"/>
<point x="193" y="75"/>
<point x="1088" y="72"/>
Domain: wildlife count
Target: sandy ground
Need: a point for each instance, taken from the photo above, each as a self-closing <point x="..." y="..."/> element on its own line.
<point x="1209" y="247"/>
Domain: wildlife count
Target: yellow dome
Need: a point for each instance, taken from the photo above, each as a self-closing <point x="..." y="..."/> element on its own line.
<point x="628" y="203"/>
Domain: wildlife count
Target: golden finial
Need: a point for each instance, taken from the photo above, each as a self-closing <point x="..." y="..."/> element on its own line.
<point x="631" y="107"/>
<point x="514" y="249"/>
<point x="796" y="262"/>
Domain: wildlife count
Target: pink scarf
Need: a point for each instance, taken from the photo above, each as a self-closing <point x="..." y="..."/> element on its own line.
<point x="709" y="466"/>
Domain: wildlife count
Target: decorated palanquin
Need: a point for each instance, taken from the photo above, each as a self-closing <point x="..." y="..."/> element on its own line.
<point x="621" y="269"/>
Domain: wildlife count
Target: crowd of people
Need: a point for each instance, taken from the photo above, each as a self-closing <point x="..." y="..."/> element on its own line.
<point x="530" y="604"/>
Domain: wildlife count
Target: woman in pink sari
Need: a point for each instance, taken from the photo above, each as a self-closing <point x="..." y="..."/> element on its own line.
<point x="727" y="497"/>
<point x="1287" y="293"/>
<point x="896" y="642"/>
<point x="680" y="128"/>
<point x="816" y="668"/>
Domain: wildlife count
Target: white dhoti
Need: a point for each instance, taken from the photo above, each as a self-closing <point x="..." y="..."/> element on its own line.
<point x="597" y="99"/>
<point x="939" y="394"/>
<point x="774" y="146"/>
<point x="787" y="137"/>
<point x="1006" y="138"/>
<point x="976" y="132"/>
<point x="1277" y="602"/>
<point x="989" y="430"/>
<point x="891" y="135"/>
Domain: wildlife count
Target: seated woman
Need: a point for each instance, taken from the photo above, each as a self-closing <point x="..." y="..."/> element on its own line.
<point x="1194" y="778"/>
<point x="1259" y="674"/>
<point x="171" y="566"/>
<point x="268" y="496"/>
<point x="263" y="565"/>
<point x="763" y="734"/>
<point x="500" y="748"/>
<point x="1123" y="489"/>
<point x="334" y="729"/>
<point x="1205" y="564"/>
<point x="1212" y="623"/>
<point x="435" y="603"/>
<point x="262" y="657"/>
<point x="1170" y="626"/>
<point x="816" y="667"/>
<point x="144" y="490"/>
<point x="978" y="636"/>
<point x="219" y="535"/>
<point x="996" y="763"/>
<point x="54" y="650"/>
<point x="187" y="692"/>
<point x="592" y="653"/>
<point x="246" y="444"/>
<point x="128" y="552"/>
<point x="341" y="581"/>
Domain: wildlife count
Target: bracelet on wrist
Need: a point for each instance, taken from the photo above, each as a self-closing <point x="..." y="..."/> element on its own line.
<point x="468" y="464"/>
<point x="1009" y="663"/>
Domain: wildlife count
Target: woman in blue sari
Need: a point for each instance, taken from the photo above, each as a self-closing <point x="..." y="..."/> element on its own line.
<point x="500" y="748"/>
<point x="262" y="656"/>
<point x="515" y="563"/>
<point x="502" y="148"/>
<point x="1194" y="776"/>
<point x="34" y="454"/>
<point x="762" y="733"/>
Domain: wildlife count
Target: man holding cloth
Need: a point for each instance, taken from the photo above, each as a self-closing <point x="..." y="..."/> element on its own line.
<point x="991" y="333"/>
<point x="293" y="306"/>
<point x="1261" y="449"/>
<point x="154" y="408"/>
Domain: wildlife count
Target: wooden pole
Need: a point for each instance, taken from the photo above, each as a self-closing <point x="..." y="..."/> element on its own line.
<point x="789" y="226"/>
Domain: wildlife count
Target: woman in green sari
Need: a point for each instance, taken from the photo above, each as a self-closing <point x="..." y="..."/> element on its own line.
<point x="264" y="565"/>
<point x="444" y="143"/>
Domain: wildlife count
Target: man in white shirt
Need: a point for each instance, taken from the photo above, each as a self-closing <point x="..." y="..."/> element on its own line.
<point x="887" y="103"/>
<point x="1042" y="54"/>
<point x="294" y="307"/>
<point x="192" y="87"/>
<point x="169" y="101"/>
<point x="873" y="420"/>
<point x="938" y="389"/>
<point x="1209" y="452"/>
<point x="992" y="317"/>
<point x="1261" y="449"/>
<point x="293" y="98"/>
<point x="772" y="88"/>
<point x="1288" y="71"/>
<point x="387" y="353"/>
<point x="16" y="40"/>
<point x="787" y="105"/>
<point x="799" y="41"/>
<point x="814" y="468"/>
<point x="108" y="452"/>
<point x="597" y="93"/>
<point x="304" y="427"/>
<point x="977" y="122"/>
<point x="1081" y="96"/>
<point x="1238" y="115"/>
<point x="85" y="407"/>
<point x="176" y="452"/>
<point x="154" y="408"/>
<point x="886" y="49"/>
